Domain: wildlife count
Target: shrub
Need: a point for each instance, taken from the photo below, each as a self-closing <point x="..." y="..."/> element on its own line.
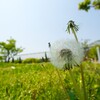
<point x="1" y="59"/>
<point x="92" y="53"/>
<point x="32" y="60"/>
<point x="46" y="57"/>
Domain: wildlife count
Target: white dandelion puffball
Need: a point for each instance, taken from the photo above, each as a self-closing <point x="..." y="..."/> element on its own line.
<point x="66" y="53"/>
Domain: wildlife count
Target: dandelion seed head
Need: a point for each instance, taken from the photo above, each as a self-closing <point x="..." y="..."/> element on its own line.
<point x="66" y="53"/>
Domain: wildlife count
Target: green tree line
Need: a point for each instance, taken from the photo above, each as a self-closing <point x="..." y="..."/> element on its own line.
<point x="9" y="49"/>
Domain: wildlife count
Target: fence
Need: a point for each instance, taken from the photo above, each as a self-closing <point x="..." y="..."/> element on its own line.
<point x="33" y="55"/>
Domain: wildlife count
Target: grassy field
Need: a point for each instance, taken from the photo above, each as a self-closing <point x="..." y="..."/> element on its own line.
<point x="43" y="81"/>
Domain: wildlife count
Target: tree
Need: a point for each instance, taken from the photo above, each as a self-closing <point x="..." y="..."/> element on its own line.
<point x="87" y="4"/>
<point x="8" y="49"/>
<point x="73" y="27"/>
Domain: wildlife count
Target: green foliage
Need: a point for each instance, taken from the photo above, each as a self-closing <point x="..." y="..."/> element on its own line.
<point x="87" y="4"/>
<point x="16" y="61"/>
<point x="19" y="60"/>
<point x="92" y="53"/>
<point x="96" y="4"/>
<point x="32" y="60"/>
<point x="8" y="49"/>
<point x="1" y="58"/>
<point x="41" y="82"/>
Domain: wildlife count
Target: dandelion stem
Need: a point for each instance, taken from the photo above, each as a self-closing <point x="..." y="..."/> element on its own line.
<point x="68" y="98"/>
<point x="77" y="90"/>
<point x="83" y="82"/>
<point x="74" y="34"/>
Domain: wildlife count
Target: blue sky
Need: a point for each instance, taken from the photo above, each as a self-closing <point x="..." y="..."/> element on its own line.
<point x="34" y="23"/>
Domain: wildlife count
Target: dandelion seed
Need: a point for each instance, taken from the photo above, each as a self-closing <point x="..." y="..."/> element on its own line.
<point x="66" y="54"/>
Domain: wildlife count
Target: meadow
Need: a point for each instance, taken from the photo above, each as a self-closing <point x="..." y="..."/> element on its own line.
<point x="42" y="81"/>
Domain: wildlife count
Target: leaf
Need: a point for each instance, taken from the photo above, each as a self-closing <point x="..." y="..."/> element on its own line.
<point x="72" y="95"/>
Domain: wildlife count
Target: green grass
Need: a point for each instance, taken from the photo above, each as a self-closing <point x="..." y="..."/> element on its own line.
<point x="44" y="82"/>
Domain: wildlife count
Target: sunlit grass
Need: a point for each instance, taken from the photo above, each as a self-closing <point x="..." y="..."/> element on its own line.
<point x="41" y="82"/>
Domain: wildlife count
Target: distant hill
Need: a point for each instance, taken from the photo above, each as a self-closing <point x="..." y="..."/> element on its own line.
<point x="94" y="43"/>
